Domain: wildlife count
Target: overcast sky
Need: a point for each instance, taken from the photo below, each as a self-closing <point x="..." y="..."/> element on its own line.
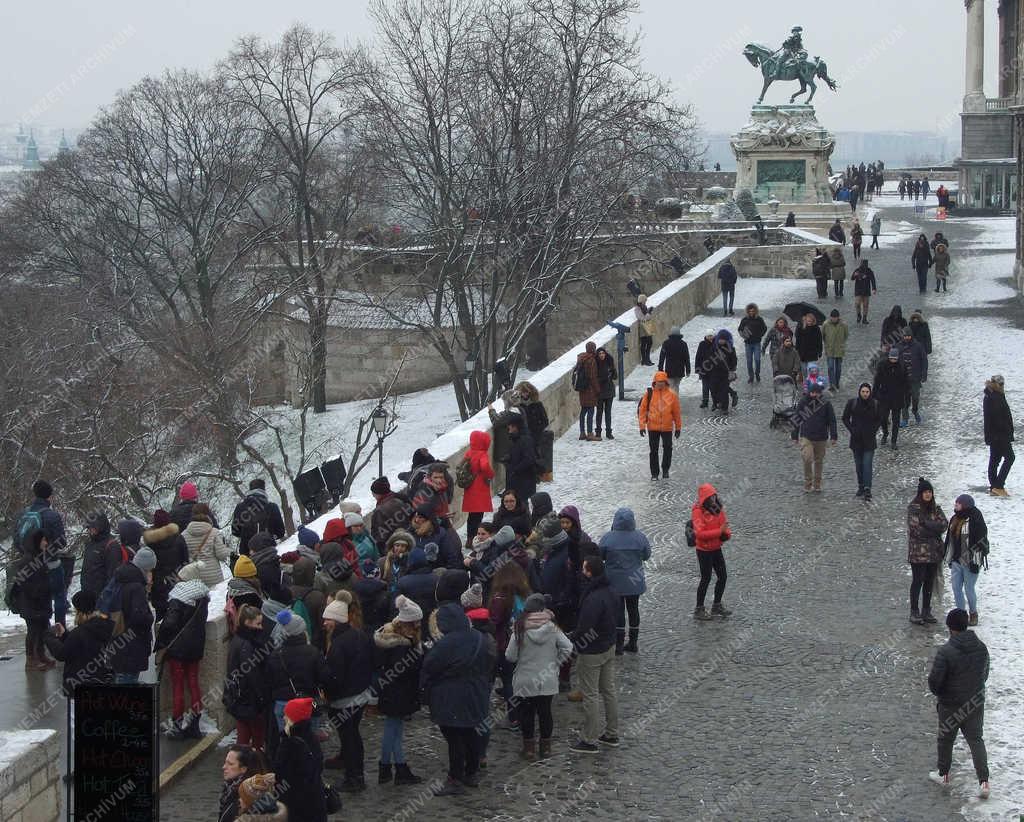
<point x="900" y="63"/>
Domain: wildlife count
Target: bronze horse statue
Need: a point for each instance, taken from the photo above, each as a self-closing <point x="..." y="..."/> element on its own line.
<point x="803" y="71"/>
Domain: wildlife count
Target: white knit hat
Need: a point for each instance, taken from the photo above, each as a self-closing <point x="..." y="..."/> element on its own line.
<point x="352" y="518"/>
<point x="337" y="611"/>
<point x="408" y="611"/>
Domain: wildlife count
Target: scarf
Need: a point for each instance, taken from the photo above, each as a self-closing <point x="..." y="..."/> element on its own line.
<point x="189" y="591"/>
<point x="537" y="618"/>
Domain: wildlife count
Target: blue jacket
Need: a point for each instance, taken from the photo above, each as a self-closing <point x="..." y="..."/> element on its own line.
<point x="727" y="274"/>
<point x="558" y="577"/>
<point x="419" y="584"/>
<point x="457" y="670"/>
<point x="624" y="550"/>
<point x="914" y="359"/>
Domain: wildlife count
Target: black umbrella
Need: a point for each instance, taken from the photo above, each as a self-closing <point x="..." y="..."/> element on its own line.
<point x="796" y="312"/>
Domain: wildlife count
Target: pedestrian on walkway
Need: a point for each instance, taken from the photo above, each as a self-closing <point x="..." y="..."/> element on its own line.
<point x="787" y="361"/>
<point x="710" y="531"/>
<point x="998" y="434"/>
<point x="59" y="560"/>
<point x="834" y="335"/>
<point x="101" y="555"/>
<point x="624" y="550"/>
<point x="722" y="372"/>
<point x="31" y="598"/>
<point x="703" y="362"/>
<point x="246" y="694"/>
<point x="821" y="269"/>
<point x="537" y="649"/>
<point x="182" y="637"/>
<point x="921" y="260"/>
<point x="862" y="417"/>
<point x="926" y="525"/>
<point x="836" y="233"/>
<point x="256" y="513"/>
<point x="864" y="286"/>
<point x="876" y="229"/>
<point x="398" y="657"/>
<point x="81" y="649"/>
<point x="476" y="498"/>
<point x="587" y="385"/>
<point x="298" y="763"/>
<point x="941" y="261"/>
<point x="856" y="237"/>
<point x="207" y="547"/>
<point x="938" y="239"/>
<point x="892" y="327"/>
<point x="752" y="329"/>
<point x="674" y="358"/>
<point x="809" y="343"/>
<point x="645" y="328"/>
<point x="837" y="262"/>
<point x="521" y="461"/>
<point x="773" y="339"/>
<point x="790" y="220"/>
<point x="814" y="428"/>
<point x="967" y="547"/>
<point x="659" y="418"/>
<point x="957" y="679"/>
<point x="131" y="655"/>
<point x="891" y="389"/>
<point x="606" y="376"/>
<point x="594" y="641"/>
<point x="727" y="276"/>
<point x="915" y="362"/>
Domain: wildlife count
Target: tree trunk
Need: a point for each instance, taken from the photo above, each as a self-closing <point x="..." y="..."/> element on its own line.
<point x="318" y="359"/>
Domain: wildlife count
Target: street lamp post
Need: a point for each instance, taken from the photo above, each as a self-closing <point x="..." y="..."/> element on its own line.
<point x="621" y="332"/>
<point x="379" y="418"/>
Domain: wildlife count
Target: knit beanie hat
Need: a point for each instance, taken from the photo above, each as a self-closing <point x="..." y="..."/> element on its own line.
<point x="84" y="602"/>
<point x="381" y="485"/>
<point x="308" y="537"/>
<point x="473" y="596"/>
<point x="145" y="558"/>
<point x="299" y="710"/>
<point x="291" y="625"/>
<point x="451" y="585"/>
<point x="130" y="531"/>
<point x="535" y="602"/>
<point x="190" y="571"/>
<point x="335" y="530"/>
<point x="337" y="611"/>
<point x="923" y="485"/>
<point x="408" y="611"/>
<point x="965" y="500"/>
<point x="188" y="492"/>
<point x="353" y="518"/>
<point x="161" y="518"/>
<point x="550" y="526"/>
<point x="957" y="619"/>
<point x="504" y="536"/>
<point x="244" y="568"/>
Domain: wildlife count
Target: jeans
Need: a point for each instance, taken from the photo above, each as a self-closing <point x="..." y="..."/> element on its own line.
<point x="596" y="674"/>
<point x="126" y="679"/>
<point x="346" y="722"/>
<point x="914" y="399"/>
<point x="665" y="438"/>
<point x="753" y="359"/>
<point x="838" y="286"/>
<point x="58" y="592"/>
<point x="922" y="278"/>
<point x="463" y="751"/>
<point x="181" y="673"/>
<point x="862" y="461"/>
<point x="587" y="419"/>
<point x="604" y="410"/>
<point x="963" y="581"/>
<point x="628" y="603"/>
<point x="539" y="706"/>
<point x="997" y="473"/>
<point x="711" y="561"/>
<point x="813" y="453"/>
<point x="922" y="582"/>
<point x="835" y="370"/>
<point x="391" y="741"/>
<point x="970" y="721"/>
<point x="728" y="294"/>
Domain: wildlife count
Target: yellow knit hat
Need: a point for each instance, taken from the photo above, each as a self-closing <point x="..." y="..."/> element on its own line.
<point x="244" y="568"/>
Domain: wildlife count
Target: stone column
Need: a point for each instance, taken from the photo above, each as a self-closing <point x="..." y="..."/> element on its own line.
<point x="974" y="87"/>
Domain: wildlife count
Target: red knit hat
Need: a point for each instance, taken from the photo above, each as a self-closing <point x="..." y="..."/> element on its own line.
<point x="161" y="518"/>
<point x="188" y="492"/>
<point x="299" y="710"/>
<point x="335" y="531"/>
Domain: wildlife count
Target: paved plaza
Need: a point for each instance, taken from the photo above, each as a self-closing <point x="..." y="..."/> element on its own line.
<point x="811" y="700"/>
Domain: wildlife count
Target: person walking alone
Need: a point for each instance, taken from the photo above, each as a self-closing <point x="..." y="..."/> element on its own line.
<point x="957" y="678"/>
<point x="891" y="389"/>
<point x="864" y="286"/>
<point x="727" y="276"/>
<point x="926" y="524"/>
<point x="815" y="427"/>
<point x="998" y="434"/>
<point x="862" y="417"/>
<point x="710" y="531"/>
<point x="856" y="237"/>
<point x="876" y="229"/>
<point x="752" y="329"/>
<point x="645" y="328"/>
<point x="624" y="550"/>
<point x="921" y="260"/>
<point x="659" y="417"/>
<point x="674" y="358"/>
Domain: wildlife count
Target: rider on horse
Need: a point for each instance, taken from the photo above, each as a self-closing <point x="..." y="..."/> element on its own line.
<point x="791" y="53"/>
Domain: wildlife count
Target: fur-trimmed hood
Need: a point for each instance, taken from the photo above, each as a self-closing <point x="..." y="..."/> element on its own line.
<point x="153" y="536"/>
<point x="386" y="637"/>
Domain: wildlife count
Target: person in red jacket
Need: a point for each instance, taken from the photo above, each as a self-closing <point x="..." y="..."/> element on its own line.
<point x="337" y="532"/>
<point x="711" y="529"/>
<point x="477" y="500"/>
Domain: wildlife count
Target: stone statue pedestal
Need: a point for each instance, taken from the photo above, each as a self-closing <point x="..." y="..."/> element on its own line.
<point x="783" y="152"/>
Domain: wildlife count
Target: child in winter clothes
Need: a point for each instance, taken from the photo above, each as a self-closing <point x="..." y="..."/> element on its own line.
<point x="366" y="548"/>
<point x="81" y="648"/>
<point x="711" y="530"/>
<point x="182" y="636"/>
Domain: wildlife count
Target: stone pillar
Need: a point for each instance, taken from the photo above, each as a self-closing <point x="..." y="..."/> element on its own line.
<point x="974" y="87"/>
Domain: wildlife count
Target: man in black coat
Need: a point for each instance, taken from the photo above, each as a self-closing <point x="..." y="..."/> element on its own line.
<point x="957" y="678"/>
<point x="393" y="511"/>
<point x="101" y="555"/>
<point x="915" y="361"/>
<point x="60" y="562"/>
<point x="891" y="388"/>
<point x="132" y="648"/>
<point x="256" y="513"/>
<point x="864" y="285"/>
<point x="821" y="269"/>
<point x="521" y="462"/>
<point x="674" y="359"/>
<point x="594" y="640"/>
<point x="836" y="233"/>
<point x="814" y="425"/>
<point x="727" y="275"/>
<point x="752" y="329"/>
<point x="998" y="435"/>
<point x="702" y="364"/>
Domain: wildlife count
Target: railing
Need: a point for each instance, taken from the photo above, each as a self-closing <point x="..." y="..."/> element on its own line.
<point x="999" y="103"/>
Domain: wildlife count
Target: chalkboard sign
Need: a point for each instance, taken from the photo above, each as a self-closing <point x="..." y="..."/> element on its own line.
<point x="116" y="753"/>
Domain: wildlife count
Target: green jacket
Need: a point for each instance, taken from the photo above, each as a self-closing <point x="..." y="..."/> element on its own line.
<point x="834" y="336"/>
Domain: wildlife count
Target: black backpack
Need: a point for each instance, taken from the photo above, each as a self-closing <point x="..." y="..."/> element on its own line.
<point x="691" y="535"/>
<point x="580" y="378"/>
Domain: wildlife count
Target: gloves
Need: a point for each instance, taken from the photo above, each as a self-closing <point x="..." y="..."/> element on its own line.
<point x="678" y="433"/>
<point x="642" y="432"/>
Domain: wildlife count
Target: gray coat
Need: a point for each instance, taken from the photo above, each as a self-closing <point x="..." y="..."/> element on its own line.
<point x="543" y="650"/>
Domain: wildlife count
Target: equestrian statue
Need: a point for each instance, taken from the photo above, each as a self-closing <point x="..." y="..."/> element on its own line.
<point x="788" y="63"/>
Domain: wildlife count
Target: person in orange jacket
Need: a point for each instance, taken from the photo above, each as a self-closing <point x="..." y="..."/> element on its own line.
<point x="710" y="531"/>
<point x="659" y="414"/>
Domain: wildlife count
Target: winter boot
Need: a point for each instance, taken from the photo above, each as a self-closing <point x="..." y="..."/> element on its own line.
<point x="702" y="614"/>
<point x="915" y="616"/>
<point x="33" y="663"/>
<point x="545" y="749"/>
<point x="620" y="641"/>
<point x="973" y="620"/>
<point x="176" y="729"/>
<point x="718" y="609"/>
<point x="384" y="772"/>
<point x="404" y="776"/>
<point x="634" y="634"/>
<point x="529" y="752"/>
<point x="191" y="730"/>
<point x="926" y="616"/>
<point x="353" y="784"/>
<point x="608" y="435"/>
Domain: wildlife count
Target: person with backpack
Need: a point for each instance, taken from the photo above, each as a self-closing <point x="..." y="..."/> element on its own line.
<point x="182" y="637"/>
<point x="474" y="474"/>
<point x="967" y="547"/>
<point x="127" y="594"/>
<point x="587" y="384"/>
<point x="521" y="461"/>
<point x="31" y="597"/>
<point x="710" y="531"/>
<point x="624" y="550"/>
<point x="101" y="555"/>
<point x="246" y="695"/>
<point x="206" y="545"/>
<point x="256" y="513"/>
<point x="60" y="564"/>
<point x="660" y="419"/>
<point x="171" y="555"/>
<point x="83" y="648"/>
<point x="298" y="763"/>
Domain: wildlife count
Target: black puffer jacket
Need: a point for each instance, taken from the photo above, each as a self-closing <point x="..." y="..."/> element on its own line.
<point x="862" y="419"/>
<point x="959" y="671"/>
<point x="294" y="669"/>
<point x="298" y="766"/>
<point x="83" y="652"/>
<point x="674" y="359"/>
<point x="100" y="558"/>
<point x="133" y="647"/>
<point x="348" y="667"/>
<point x="892" y="385"/>
<point x="246" y="684"/>
<point x="808" y="343"/>
<point x="398" y="662"/>
<point x="183" y="630"/>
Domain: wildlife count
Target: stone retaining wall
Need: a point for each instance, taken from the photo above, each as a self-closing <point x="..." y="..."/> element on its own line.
<point x="29" y="776"/>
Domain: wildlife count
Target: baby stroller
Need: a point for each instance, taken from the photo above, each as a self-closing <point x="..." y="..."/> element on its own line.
<point x="784" y="400"/>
